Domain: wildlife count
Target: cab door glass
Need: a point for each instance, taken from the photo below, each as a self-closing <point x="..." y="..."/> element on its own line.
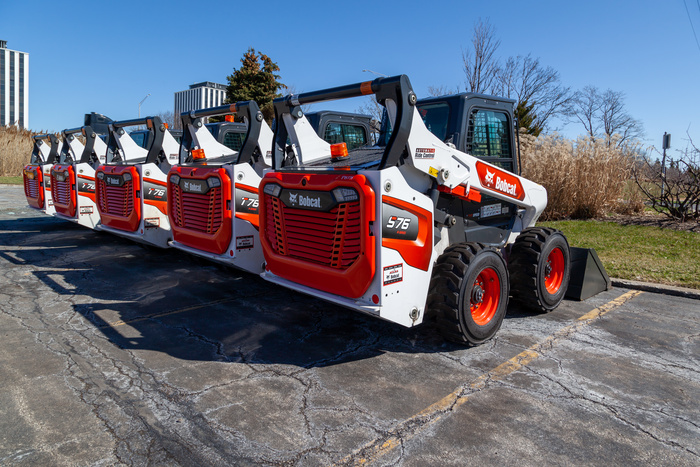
<point x="488" y="138"/>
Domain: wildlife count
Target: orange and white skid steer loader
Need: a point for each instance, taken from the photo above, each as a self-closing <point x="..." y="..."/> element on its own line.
<point x="131" y="184"/>
<point x="404" y="232"/>
<point x="73" y="177"/>
<point x="213" y="190"/>
<point x="37" y="174"/>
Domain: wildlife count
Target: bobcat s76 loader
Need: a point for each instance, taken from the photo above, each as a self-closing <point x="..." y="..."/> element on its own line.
<point x="213" y="190"/>
<point x="37" y="174"/>
<point x="402" y="232"/>
<point x="73" y="177"/>
<point x="131" y="184"/>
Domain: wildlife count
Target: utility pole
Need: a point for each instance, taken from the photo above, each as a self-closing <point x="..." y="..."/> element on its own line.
<point x="666" y="145"/>
<point x="142" y="103"/>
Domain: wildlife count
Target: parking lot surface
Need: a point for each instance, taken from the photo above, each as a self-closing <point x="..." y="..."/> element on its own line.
<point x="111" y="354"/>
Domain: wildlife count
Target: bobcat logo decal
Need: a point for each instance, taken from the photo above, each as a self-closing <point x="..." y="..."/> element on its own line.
<point x="293" y="198"/>
<point x="489" y="176"/>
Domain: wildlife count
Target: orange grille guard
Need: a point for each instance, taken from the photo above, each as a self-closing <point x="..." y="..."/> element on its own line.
<point x="352" y="282"/>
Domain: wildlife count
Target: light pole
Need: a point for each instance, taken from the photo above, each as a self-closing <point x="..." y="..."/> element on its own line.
<point x="142" y="103"/>
<point x="375" y="73"/>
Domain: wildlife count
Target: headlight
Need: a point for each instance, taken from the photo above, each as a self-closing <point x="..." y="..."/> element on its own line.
<point x="272" y="189"/>
<point x="127" y="177"/>
<point x="65" y="173"/>
<point x="345" y="195"/>
<point x="213" y="182"/>
<point x="100" y="175"/>
<point x="175" y="179"/>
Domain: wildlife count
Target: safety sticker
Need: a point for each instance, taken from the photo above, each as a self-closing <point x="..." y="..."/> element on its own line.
<point x="393" y="274"/>
<point x="244" y="243"/>
<point x="490" y="210"/>
<point x="433" y="171"/>
<point x="151" y="223"/>
<point x="85" y="209"/>
<point x="425" y="153"/>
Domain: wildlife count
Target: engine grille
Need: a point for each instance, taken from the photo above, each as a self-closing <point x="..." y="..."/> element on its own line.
<point x="31" y="188"/>
<point x="200" y="212"/>
<point x="330" y="238"/>
<point x="61" y="191"/>
<point x="116" y="200"/>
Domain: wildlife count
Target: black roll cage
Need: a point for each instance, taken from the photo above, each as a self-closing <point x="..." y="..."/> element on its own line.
<point x="395" y="88"/>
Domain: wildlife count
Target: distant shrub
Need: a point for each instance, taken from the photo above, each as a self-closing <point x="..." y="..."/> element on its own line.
<point x="583" y="178"/>
<point x="15" y="150"/>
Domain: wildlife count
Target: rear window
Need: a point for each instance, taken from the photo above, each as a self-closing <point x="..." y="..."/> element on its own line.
<point x="139" y="138"/>
<point x="233" y="140"/>
<point x="353" y="136"/>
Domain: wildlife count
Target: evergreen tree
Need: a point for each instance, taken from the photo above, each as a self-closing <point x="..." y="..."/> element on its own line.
<point x="253" y="81"/>
<point x="527" y="119"/>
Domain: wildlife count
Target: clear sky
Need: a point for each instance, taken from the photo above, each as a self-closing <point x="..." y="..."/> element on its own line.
<point x="107" y="56"/>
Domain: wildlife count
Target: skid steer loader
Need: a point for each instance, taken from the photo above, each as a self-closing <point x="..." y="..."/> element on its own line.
<point x="131" y="185"/>
<point x="213" y="190"/>
<point x="37" y="174"/>
<point x="73" y="177"/>
<point x="406" y="232"/>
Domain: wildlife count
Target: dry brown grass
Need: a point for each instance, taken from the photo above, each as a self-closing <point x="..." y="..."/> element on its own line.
<point x="583" y="178"/>
<point x="15" y="150"/>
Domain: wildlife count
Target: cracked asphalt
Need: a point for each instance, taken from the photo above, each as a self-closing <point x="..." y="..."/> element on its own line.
<point x="111" y="354"/>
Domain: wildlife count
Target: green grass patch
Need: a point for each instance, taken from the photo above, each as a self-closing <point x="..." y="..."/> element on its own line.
<point x="641" y="253"/>
<point x="12" y="180"/>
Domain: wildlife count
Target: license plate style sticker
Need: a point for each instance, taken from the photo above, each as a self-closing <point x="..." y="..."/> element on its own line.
<point x="393" y="274"/>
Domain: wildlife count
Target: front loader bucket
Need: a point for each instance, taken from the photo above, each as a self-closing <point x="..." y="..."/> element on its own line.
<point x="588" y="276"/>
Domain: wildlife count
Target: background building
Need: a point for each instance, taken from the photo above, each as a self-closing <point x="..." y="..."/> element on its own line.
<point x="199" y="96"/>
<point x="14" y="87"/>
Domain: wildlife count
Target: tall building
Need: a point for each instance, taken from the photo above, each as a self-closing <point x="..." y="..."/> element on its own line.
<point x="14" y="87"/>
<point x="199" y="96"/>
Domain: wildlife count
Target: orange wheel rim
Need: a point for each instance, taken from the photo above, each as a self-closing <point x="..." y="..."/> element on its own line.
<point x="554" y="271"/>
<point x="485" y="296"/>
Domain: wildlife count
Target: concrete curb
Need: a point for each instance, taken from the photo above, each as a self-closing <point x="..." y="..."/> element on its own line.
<point x="657" y="288"/>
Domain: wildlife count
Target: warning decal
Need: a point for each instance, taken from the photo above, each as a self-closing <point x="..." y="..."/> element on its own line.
<point x="393" y="274"/>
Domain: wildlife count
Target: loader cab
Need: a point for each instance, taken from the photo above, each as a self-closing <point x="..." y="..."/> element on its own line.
<point x="476" y="124"/>
<point x="230" y="134"/>
<point x="340" y="127"/>
<point x="144" y="138"/>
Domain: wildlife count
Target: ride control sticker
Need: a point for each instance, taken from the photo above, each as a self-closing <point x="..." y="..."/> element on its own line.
<point x="244" y="243"/>
<point x="425" y="153"/>
<point x="393" y="274"/>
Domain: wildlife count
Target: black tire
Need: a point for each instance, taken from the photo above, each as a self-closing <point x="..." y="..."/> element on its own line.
<point x="538" y="279"/>
<point x="463" y="314"/>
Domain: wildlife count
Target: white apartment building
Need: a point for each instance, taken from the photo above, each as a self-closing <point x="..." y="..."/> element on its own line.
<point x="14" y="87"/>
<point x="199" y="96"/>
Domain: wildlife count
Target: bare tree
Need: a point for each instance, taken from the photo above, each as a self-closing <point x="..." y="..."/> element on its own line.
<point x="603" y="115"/>
<point x="534" y="86"/>
<point x="480" y="63"/>
<point x="168" y="116"/>
<point x="442" y="90"/>
<point x="585" y="108"/>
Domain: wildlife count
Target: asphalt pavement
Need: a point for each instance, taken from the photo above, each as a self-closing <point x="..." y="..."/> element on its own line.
<point x="112" y="354"/>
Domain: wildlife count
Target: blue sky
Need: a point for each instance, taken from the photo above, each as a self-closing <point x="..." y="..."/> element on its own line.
<point x="95" y="56"/>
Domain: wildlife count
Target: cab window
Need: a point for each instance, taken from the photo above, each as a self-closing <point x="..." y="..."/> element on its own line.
<point x="435" y="118"/>
<point x="353" y="136"/>
<point x="488" y="138"/>
<point x="233" y="140"/>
